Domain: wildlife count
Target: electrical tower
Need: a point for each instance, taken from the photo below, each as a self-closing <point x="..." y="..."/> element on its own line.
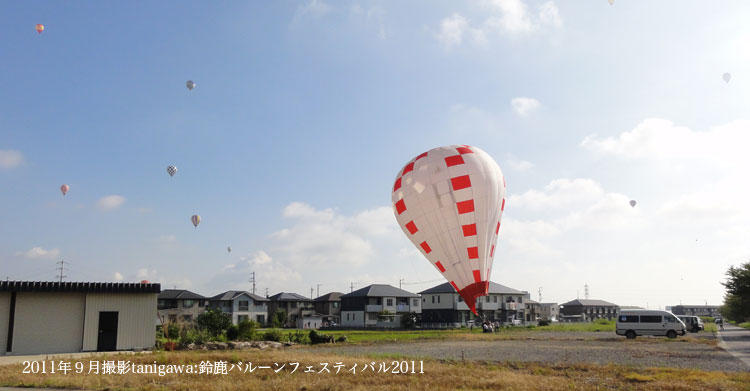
<point x="540" y="294"/>
<point x="61" y="268"/>
<point x="586" y="291"/>
<point x="252" y="280"/>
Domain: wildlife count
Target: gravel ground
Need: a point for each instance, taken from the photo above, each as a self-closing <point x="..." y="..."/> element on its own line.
<point x="565" y="347"/>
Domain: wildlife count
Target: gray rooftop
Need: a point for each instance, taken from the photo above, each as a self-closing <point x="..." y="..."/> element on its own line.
<point x="286" y="296"/>
<point x="494" y="288"/>
<point x="231" y="295"/>
<point x="180" y="294"/>
<point x="333" y="296"/>
<point x="590" y="303"/>
<point x="380" y="290"/>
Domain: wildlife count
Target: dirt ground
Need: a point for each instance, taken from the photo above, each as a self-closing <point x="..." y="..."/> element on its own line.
<point x="578" y="347"/>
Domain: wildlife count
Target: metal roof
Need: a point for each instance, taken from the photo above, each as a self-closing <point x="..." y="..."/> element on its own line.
<point x="380" y="290"/>
<point x="180" y="294"/>
<point x="285" y="296"/>
<point x="494" y="288"/>
<point x="231" y="295"/>
<point x="84" y="287"/>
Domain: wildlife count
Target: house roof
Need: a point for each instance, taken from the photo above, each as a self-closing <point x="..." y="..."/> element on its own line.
<point x="494" y="288"/>
<point x="380" y="290"/>
<point x="231" y="295"/>
<point x="180" y="294"/>
<point x="695" y="306"/>
<point x="530" y="301"/>
<point x="286" y="296"/>
<point x="333" y="296"/>
<point x="96" y="287"/>
<point x="591" y="303"/>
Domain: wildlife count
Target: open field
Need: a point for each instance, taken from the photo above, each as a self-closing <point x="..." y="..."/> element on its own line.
<point x="438" y="375"/>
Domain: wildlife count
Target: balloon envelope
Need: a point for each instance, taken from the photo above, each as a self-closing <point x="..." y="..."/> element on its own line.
<point x="39" y="28"/>
<point x="726" y="77"/>
<point x="145" y="282"/>
<point x="171" y="170"/>
<point x="229" y="249"/>
<point x="64" y="189"/>
<point x="196" y="220"/>
<point x="449" y="202"/>
<point x="611" y="2"/>
<point x="632" y="203"/>
<point x="190" y="84"/>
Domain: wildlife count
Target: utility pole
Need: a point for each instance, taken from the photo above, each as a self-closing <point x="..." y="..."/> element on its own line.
<point x="311" y="292"/>
<point x="266" y="292"/>
<point x="319" y="289"/>
<point x="61" y="269"/>
<point x="252" y="280"/>
<point x="351" y="288"/>
<point x="540" y="294"/>
<point x="400" y="280"/>
<point x="586" y="291"/>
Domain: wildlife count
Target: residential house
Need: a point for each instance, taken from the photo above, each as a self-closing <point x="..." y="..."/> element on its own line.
<point x="378" y="305"/>
<point x="180" y="305"/>
<point x="588" y="310"/>
<point x="549" y="311"/>
<point x="533" y="310"/>
<point x="696" y="310"/>
<point x="328" y="307"/>
<point x="241" y="306"/>
<point x="442" y="306"/>
<point x="295" y="306"/>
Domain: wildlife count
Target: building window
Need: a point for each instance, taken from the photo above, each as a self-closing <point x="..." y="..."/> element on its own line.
<point x="438" y="298"/>
<point x="433" y="299"/>
<point x="244" y="304"/>
<point x="460" y="299"/>
<point x="415" y="302"/>
<point x="494" y="299"/>
<point x="188" y="303"/>
<point x="335" y="304"/>
<point x="389" y="302"/>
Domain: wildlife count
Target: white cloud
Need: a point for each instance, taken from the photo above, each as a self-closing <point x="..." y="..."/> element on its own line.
<point x="118" y="276"/>
<point x="558" y="194"/>
<point x="455" y="28"/>
<point x="512" y="18"/>
<point x="10" y="158"/>
<point x="258" y="258"/>
<point x="524" y="106"/>
<point x="39" y="253"/>
<point x="314" y="9"/>
<point x="370" y="16"/>
<point x="549" y="14"/>
<point x="110" y="202"/>
<point x="520" y="165"/>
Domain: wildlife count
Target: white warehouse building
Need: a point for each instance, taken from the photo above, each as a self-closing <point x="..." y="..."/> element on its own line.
<point x="67" y="317"/>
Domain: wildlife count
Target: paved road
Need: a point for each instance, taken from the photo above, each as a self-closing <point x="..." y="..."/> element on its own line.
<point x="736" y="341"/>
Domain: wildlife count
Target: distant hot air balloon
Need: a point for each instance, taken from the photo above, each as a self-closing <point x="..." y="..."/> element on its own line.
<point x="727" y="76"/>
<point x="229" y="249"/>
<point x="611" y="2"/>
<point x="190" y="84"/>
<point x="145" y="282"/>
<point x="64" y="189"/>
<point x="39" y="28"/>
<point x="449" y="202"/>
<point x="171" y="170"/>
<point x="196" y="220"/>
<point x="632" y="203"/>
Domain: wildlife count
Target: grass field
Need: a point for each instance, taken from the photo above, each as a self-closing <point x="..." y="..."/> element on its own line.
<point x="437" y="376"/>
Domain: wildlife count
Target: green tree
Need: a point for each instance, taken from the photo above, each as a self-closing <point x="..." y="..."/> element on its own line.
<point x="279" y="318"/>
<point x="214" y="321"/>
<point x="737" y="300"/>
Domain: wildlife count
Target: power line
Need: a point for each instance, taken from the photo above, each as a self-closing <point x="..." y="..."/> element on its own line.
<point x="61" y="269"/>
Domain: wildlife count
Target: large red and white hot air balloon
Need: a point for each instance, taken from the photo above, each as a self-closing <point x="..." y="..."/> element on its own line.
<point x="449" y="202"/>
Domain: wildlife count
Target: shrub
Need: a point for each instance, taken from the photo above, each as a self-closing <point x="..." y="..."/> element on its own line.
<point x="173" y="331"/>
<point x="316" y="337"/>
<point x="197" y="337"/>
<point x="341" y="338"/>
<point x="603" y="321"/>
<point x="214" y="321"/>
<point x="233" y="332"/>
<point x="247" y="330"/>
<point x="170" y="345"/>
<point x="298" y="337"/>
<point x="272" y="335"/>
<point x="544" y="322"/>
<point x="279" y="318"/>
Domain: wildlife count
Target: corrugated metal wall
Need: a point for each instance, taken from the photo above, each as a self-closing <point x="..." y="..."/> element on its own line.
<point x="135" y="328"/>
<point x="48" y="322"/>
<point x="4" y="318"/>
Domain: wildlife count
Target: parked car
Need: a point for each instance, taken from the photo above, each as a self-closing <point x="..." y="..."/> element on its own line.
<point x="693" y="324"/>
<point x="632" y="323"/>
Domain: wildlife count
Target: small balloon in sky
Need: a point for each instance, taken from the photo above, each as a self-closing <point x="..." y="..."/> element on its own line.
<point x="632" y="203"/>
<point x="64" y="189"/>
<point x="727" y="76"/>
<point x="196" y="220"/>
<point x="171" y="170"/>
<point x="229" y="249"/>
<point x="39" y="28"/>
<point x="611" y="2"/>
<point x="190" y="84"/>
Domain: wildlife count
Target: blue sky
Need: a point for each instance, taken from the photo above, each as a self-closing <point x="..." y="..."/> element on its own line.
<point x="305" y="111"/>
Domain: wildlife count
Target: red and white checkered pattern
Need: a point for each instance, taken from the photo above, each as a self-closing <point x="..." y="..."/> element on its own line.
<point x="449" y="203"/>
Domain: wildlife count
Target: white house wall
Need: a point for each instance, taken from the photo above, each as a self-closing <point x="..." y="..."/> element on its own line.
<point x="4" y="318"/>
<point x="356" y="318"/>
<point x="136" y="312"/>
<point x="49" y="322"/>
<point x="446" y="301"/>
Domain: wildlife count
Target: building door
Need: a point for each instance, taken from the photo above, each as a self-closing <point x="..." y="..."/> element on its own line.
<point x="107" y="331"/>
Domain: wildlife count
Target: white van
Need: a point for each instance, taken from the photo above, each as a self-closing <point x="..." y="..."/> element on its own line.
<point x="631" y="323"/>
